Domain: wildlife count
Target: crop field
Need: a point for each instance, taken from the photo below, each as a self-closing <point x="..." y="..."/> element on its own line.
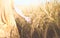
<point x="30" y="19"/>
<point x="45" y="21"/>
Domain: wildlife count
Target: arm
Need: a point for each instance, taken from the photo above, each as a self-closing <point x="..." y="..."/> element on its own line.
<point x="21" y="14"/>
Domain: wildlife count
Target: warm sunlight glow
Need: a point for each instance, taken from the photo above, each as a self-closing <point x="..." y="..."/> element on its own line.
<point x="28" y="2"/>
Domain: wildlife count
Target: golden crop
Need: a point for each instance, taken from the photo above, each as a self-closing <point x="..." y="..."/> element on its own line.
<point x="45" y="21"/>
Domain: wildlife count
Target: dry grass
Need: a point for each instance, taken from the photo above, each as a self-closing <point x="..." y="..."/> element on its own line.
<point x="45" y="22"/>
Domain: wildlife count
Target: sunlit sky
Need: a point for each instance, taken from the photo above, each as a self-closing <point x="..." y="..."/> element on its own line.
<point x="28" y="2"/>
<point x="31" y="2"/>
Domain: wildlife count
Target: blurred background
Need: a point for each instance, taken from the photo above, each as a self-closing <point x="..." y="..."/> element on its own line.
<point x="44" y="15"/>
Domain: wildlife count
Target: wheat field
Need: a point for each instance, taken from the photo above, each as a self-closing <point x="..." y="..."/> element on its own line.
<point x="45" y="21"/>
